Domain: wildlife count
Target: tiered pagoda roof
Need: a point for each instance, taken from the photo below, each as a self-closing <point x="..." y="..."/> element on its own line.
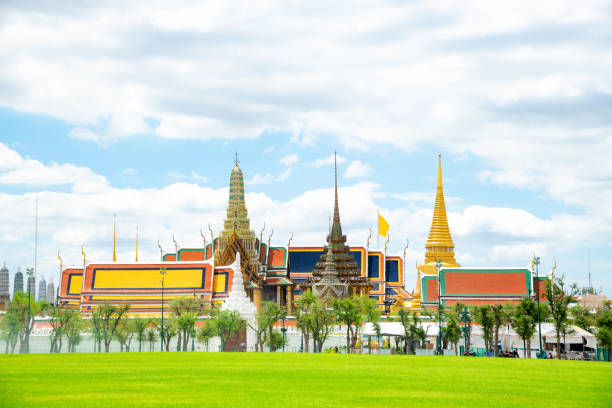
<point x="344" y="266"/>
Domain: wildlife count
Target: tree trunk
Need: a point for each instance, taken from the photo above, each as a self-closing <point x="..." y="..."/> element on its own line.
<point x="179" y="341"/>
<point x="529" y="348"/>
<point x="558" y="344"/>
<point x="348" y="339"/>
<point x="6" y="350"/>
<point x="495" y="352"/>
<point x="306" y="342"/>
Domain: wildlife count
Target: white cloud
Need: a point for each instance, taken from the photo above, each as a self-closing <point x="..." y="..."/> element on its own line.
<point x="83" y="134"/>
<point x="130" y="172"/>
<point x="358" y="169"/>
<point x="18" y="171"/>
<point x="196" y="176"/>
<point x="261" y="179"/>
<point x="326" y="161"/>
<point x="290" y="159"/>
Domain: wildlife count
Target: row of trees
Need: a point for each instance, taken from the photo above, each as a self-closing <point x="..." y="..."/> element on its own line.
<point x="524" y="319"/>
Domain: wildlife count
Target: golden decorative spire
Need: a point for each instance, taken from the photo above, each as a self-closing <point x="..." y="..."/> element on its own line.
<point x="114" y="236"/>
<point x="136" y="243"/>
<point x="237" y="218"/>
<point x="439" y="244"/>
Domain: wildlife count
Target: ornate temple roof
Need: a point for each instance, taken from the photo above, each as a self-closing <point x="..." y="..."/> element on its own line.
<point x="344" y="266"/>
<point x="237" y="220"/>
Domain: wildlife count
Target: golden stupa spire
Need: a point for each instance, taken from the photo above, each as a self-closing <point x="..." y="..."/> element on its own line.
<point x="439" y="245"/>
<point x="114" y="236"/>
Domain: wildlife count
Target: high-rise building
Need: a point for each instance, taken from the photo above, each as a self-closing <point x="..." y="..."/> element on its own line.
<point x="4" y="287"/>
<point x="42" y="290"/>
<point x="51" y="293"/>
<point x="18" y="282"/>
<point x="32" y="286"/>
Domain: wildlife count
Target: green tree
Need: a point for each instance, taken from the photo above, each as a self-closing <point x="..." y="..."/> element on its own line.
<point x="275" y="340"/>
<point x="453" y="332"/>
<point x="603" y="321"/>
<point x="73" y="327"/>
<point x="9" y="331"/>
<point x="348" y="312"/>
<point x="583" y="318"/>
<point x="57" y="323"/>
<point x="501" y="315"/>
<point x="124" y="334"/>
<point x="228" y="323"/>
<point x="151" y="336"/>
<point x="371" y="313"/>
<point x="139" y="327"/>
<point x="18" y="307"/>
<point x="559" y="298"/>
<point x="484" y="316"/>
<point x="107" y="318"/>
<point x="170" y="330"/>
<point x="525" y="321"/>
<point x="186" y="310"/>
<point x="412" y="329"/>
<point x="206" y="332"/>
<point x="303" y="309"/>
<point x="321" y="321"/>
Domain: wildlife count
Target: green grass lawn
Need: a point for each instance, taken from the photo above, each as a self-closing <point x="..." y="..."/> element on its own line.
<point x="289" y="380"/>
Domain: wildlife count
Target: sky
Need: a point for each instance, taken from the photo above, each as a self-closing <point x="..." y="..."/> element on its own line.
<point x="138" y="110"/>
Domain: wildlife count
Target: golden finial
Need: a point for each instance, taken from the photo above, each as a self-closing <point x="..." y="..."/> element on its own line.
<point x="405" y="249"/>
<point x="60" y="259"/>
<point x="290" y="239"/>
<point x="270" y="237"/>
<point x="368" y="241"/>
<point x="203" y="240"/>
<point x="176" y="248"/>
<point x="261" y="233"/>
<point x="386" y="242"/>
<point x="83" y="252"/>
<point x="161" y="251"/>
<point x="114" y="236"/>
<point x="136" y="243"/>
<point x="212" y="237"/>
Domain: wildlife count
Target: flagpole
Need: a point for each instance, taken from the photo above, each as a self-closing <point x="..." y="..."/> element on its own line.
<point x="378" y="229"/>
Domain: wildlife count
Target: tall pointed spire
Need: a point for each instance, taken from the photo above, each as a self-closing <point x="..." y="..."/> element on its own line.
<point x="336" y="209"/>
<point x="440" y="244"/>
<point x="114" y="237"/>
<point x="336" y="228"/>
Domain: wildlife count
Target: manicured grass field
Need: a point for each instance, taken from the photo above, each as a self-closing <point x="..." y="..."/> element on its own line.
<point x="291" y="380"/>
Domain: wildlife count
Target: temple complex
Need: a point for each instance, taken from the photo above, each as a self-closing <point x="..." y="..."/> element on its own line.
<point x="280" y="274"/>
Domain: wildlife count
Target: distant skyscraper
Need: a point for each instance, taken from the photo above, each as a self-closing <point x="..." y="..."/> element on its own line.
<point x="32" y="286"/>
<point x="42" y="289"/>
<point x="18" y="282"/>
<point x="50" y="293"/>
<point x="4" y="287"/>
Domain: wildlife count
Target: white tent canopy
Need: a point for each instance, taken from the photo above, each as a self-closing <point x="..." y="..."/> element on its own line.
<point x="510" y="339"/>
<point x="396" y="329"/>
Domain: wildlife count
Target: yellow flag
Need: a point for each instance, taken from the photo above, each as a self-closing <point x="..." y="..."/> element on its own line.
<point x="383" y="226"/>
